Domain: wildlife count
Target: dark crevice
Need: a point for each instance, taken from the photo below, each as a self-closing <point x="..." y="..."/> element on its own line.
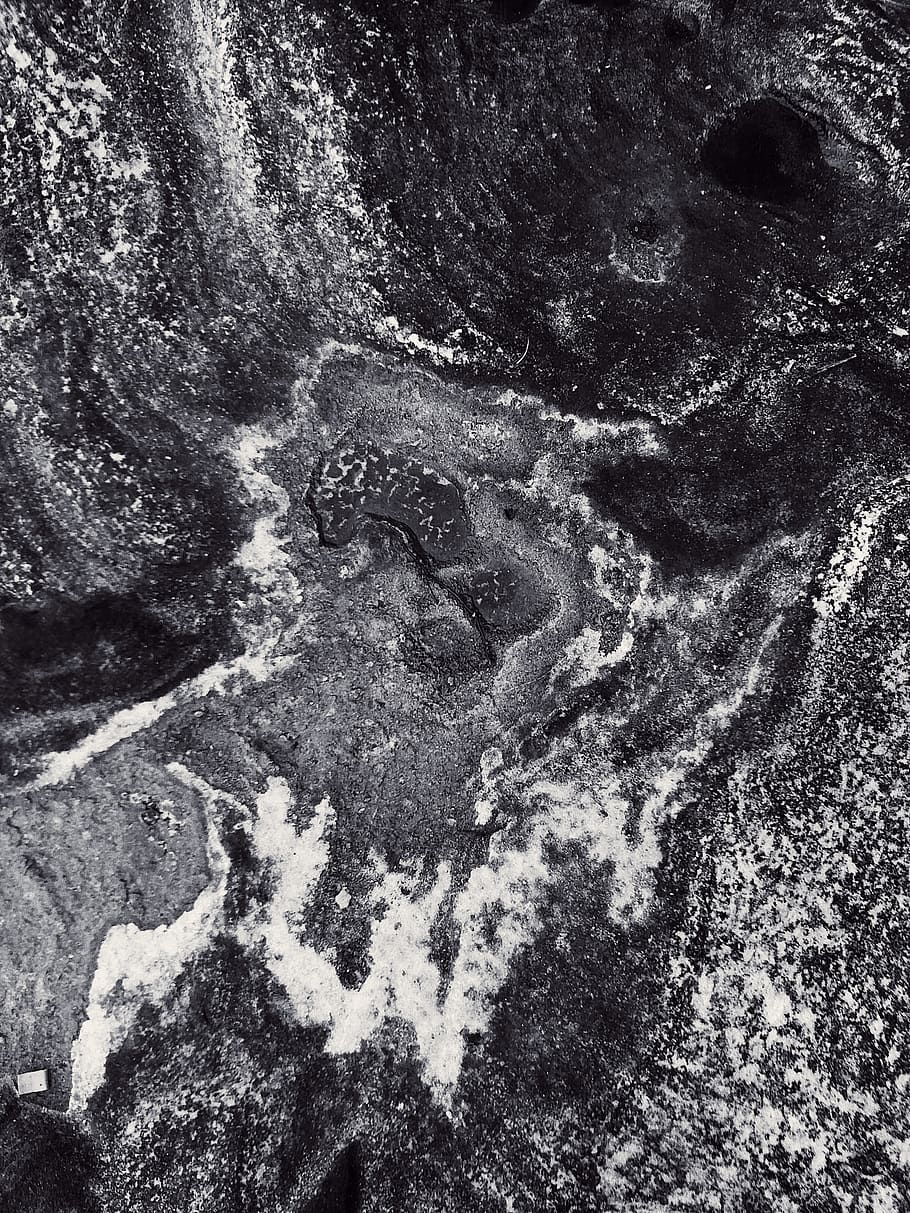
<point x="427" y="569"/>
<point x="341" y="1190"/>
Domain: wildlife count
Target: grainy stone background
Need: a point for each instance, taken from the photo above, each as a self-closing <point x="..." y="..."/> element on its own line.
<point x="453" y="606"/>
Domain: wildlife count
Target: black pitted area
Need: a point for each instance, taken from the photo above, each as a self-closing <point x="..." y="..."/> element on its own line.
<point x="363" y="479"/>
<point x="766" y="150"/>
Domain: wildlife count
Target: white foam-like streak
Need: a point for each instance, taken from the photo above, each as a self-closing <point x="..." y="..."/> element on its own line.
<point x="137" y="966"/>
<point x="261" y="620"/>
<point x="589" y="429"/>
<point x="258" y="662"/>
<point x="61" y="765"/>
<point x="584" y="655"/>
<point x="848" y="565"/>
<point x="403" y="982"/>
<point x="715" y="721"/>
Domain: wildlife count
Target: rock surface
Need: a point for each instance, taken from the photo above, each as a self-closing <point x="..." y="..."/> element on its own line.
<point x="454" y="615"/>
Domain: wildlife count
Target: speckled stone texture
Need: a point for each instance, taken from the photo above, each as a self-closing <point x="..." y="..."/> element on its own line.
<point x="454" y="615"/>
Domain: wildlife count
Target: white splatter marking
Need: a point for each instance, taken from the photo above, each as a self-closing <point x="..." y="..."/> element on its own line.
<point x="389" y="326"/>
<point x="402" y="981"/>
<point x="137" y="966"/>
<point x="776" y="1003"/>
<point x="22" y="59"/>
<point x="848" y="565"/>
<point x="491" y="762"/>
<point x="641" y="433"/>
<point x="261" y="618"/>
<point x="550" y="484"/>
<point x="583" y="656"/>
<point x="298" y="862"/>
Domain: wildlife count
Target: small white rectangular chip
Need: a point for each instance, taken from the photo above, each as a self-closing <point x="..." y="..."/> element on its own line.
<point x="32" y="1082"/>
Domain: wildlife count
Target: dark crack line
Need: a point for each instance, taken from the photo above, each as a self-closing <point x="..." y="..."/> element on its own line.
<point x="427" y="569"/>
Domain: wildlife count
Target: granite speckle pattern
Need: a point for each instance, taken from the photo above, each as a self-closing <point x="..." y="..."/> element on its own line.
<point x="454" y="614"/>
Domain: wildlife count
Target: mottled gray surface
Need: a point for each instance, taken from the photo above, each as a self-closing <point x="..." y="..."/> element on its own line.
<point x="453" y="607"/>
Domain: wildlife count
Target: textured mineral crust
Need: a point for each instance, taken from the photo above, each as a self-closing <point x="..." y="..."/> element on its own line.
<point x="454" y="614"/>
